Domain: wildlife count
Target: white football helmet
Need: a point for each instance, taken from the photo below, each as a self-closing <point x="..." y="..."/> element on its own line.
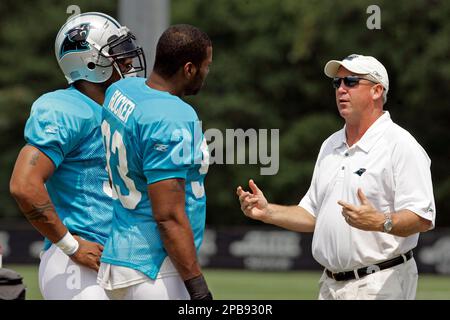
<point x="89" y="45"/>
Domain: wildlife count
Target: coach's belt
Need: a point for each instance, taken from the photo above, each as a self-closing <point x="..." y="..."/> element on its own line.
<point x="362" y="272"/>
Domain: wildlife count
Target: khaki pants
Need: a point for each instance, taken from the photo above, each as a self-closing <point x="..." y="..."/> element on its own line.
<point x="396" y="283"/>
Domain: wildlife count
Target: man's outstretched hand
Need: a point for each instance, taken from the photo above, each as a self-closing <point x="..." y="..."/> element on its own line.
<point x="253" y="204"/>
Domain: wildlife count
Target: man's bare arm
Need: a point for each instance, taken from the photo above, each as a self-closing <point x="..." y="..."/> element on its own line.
<point x="367" y="217"/>
<point x="255" y="205"/>
<point x="168" y="206"/>
<point x="27" y="186"/>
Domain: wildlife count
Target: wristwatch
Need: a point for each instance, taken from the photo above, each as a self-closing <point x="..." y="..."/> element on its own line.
<point x="387" y="225"/>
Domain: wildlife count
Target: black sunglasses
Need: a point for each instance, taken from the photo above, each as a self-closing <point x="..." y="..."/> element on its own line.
<point x="349" y="81"/>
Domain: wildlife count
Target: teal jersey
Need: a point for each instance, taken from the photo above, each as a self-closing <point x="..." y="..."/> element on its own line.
<point x="65" y="126"/>
<point x="149" y="136"/>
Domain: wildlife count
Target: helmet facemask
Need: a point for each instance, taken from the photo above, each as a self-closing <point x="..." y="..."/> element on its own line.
<point x="119" y="48"/>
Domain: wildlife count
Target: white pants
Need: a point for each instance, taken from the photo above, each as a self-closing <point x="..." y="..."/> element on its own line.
<point x="396" y="283"/>
<point x="168" y="288"/>
<point x="62" y="279"/>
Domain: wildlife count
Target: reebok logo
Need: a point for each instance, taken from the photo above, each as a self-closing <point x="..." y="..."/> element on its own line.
<point x="51" y="129"/>
<point x="161" y="147"/>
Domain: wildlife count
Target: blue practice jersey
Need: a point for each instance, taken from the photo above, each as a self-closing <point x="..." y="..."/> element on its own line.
<point x="150" y="136"/>
<point x="65" y="125"/>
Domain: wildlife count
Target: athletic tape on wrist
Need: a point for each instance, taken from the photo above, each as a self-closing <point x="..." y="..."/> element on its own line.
<point x="68" y="244"/>
<point x="198" y="289"/>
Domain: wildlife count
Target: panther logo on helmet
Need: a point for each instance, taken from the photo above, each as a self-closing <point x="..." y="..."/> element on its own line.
<point x="75" y="40"/>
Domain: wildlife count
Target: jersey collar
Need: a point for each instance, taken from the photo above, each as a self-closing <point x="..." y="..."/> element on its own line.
<point x="369" y="138"/>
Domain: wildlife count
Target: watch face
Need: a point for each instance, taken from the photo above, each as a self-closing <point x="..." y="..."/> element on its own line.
<point x="388" y="225"/>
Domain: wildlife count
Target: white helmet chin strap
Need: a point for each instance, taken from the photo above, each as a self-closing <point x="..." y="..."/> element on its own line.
<point x="131" y="73"/>
<point x="118" y="70"/>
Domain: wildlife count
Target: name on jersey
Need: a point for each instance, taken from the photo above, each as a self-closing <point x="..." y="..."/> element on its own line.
<point x="121" y="106"/>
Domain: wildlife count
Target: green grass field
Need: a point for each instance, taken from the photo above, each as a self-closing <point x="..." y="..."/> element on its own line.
<point x="250" y="285"/>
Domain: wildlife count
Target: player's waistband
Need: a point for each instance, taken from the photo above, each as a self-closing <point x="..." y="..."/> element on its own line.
<point x="364" y="271"/>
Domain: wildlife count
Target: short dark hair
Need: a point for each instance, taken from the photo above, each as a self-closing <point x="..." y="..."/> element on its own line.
<point x="178" y="45"/>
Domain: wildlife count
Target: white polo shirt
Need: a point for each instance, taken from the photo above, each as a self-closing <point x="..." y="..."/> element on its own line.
<point x="392" y="170"/>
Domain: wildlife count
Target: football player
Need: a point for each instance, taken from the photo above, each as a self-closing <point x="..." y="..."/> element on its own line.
<point x="157" y="158"/>
<point x="60" y="180"/>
